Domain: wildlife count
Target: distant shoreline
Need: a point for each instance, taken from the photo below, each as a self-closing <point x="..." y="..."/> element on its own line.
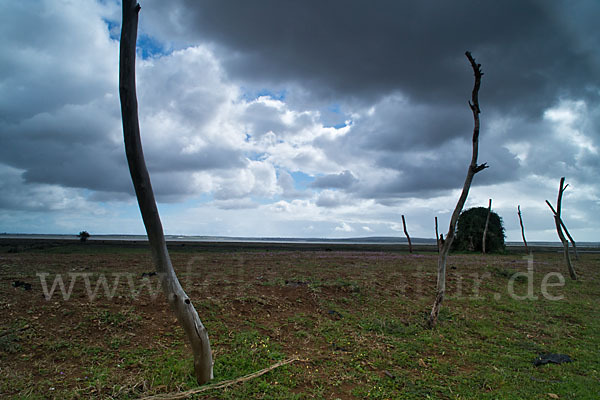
<point x="383" y="240"/>
<point x="242" y="243"/>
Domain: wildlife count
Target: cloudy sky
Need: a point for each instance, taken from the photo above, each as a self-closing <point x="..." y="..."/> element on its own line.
<point x="300" y="118"/>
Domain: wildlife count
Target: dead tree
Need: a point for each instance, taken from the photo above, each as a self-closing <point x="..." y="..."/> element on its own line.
<point x="522" y="228"/>
<point x="560" y="226"/>
<point x="471" y="171"/>
<point x="487" y="223"/>
<point x="177" y="298"/>
<point x="570" y="239"/>
<point x="438" y="240"/>
<point x="406" y="233"/>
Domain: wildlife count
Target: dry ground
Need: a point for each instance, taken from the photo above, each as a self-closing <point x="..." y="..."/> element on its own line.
<point x="354" y="318"/>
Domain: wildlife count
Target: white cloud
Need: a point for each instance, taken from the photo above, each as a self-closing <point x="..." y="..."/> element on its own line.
<point x="567" y="119"/>
<point x="344" y="227"/>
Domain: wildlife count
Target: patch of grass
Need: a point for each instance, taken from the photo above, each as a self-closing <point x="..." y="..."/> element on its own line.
<point x="389" y="326"/>
<point x="13" y="335"/>
<point x="302" y="319"/>
<point x="9" y="343"/>
<point x="247" y="352"/>
<point x="116" y="319"/>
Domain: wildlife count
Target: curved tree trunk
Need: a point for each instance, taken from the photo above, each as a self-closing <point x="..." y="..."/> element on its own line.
<point x="485" y="230"/>
<point x="471" y="171"/>
<point x="177" y="298"/>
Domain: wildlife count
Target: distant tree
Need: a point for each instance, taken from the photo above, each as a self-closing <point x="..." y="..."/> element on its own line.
<point x="83" y="236"/>
<point x="470" y="227"/>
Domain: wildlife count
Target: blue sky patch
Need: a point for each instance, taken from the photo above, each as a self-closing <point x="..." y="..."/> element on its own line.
<point x="335" y="108"/>
<point x="250" y="95"/>
<point x="148" y="47"/>
<point x="114" y="29"/>
<point x="301" y="180"/>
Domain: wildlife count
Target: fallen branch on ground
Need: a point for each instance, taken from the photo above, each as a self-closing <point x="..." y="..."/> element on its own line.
<point x="220" y="385"/>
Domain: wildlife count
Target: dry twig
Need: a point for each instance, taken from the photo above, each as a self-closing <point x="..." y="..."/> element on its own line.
<point x="220" y="385"/>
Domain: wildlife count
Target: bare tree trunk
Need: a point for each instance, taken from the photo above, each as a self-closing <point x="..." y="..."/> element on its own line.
<point x="560" y="225"/>
<point x="472" y="170"/>
<point x="570" y="239"/>
<point x="522" y="229"/>
<point x="177" y="298"/>
<point x="406" y="233"/>
<point x="566" y="231"/>
<point x="437" y="236"/>
<point x="487" y="222"/>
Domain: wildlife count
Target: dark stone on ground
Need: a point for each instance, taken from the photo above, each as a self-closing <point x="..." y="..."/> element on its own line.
<point x="296" y="283"/>
<point x="339" y="348"/>
<point x="551" y="358"/>
<point x="24" y="285"/>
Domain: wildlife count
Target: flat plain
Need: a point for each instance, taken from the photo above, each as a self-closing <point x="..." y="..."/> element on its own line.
<point x="353" y="316"/>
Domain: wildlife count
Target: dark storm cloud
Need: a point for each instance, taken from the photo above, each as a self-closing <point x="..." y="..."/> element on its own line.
<point x="425" y="175"/>
<point x="18" y="195"/>
<point x="63" y="149"/>
<point x="355" y="49"/>
<point x="405" y="60"/>
<point x="396" y="125"/>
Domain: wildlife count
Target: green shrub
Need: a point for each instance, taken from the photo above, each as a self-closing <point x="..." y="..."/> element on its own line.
<point x="469" y="231"/>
